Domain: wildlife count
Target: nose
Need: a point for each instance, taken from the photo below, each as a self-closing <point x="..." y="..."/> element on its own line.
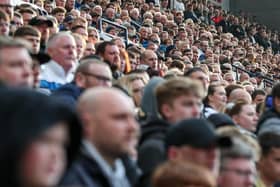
<point x="196" y="111"/>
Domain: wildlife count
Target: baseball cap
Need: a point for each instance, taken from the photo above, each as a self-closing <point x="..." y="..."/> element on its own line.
<point x="197" y="133"/>
<point x="220" y="120"/>
<point x="271" y="125"/>
<point x="40" y="20"/>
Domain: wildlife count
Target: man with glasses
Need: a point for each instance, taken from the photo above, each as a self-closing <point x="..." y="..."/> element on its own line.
<point x="237" y="165"/>
<point x="7" y="7"/>
<point x="90" y="73"/>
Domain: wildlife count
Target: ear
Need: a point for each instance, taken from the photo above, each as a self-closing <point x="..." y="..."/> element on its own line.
<point x="235" y="118"/>
<point x="166" y="111"/>
<point x="172" y="153"/>
<point x="80" y="80"/>
<point x="87" y="126"/>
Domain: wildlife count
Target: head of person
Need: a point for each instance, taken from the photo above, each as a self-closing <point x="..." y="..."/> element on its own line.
<point x="16" y="22"/>
<point x="8" y="7"/>
<point x="15" y="70"/>
<point x="103" y="117"/>
<point x="43" y="24"/>
<point x="80" y="45"/>
<point x="110" y="53"/>
<point x="269" y="140"/>
<point x="179" y="98"/>
<point x="62" y="49"/>
<point x="4" y="24"/>
<point x="244" y="114"/>
<point x="258" y="96"/>
<point x="237" y="165"/>
<point x="93" y="73"/>
<point x="59" y="14"/>
<point x="30" y="34"/>
<point x="197" y="73"/>
<point x="182" y="174"/>
<point x="27" y="14"/>
<point x="150" y="59"/>
<point x="275" y="92"/>
<point x="40" y="142"/>
<point x="194" y="140"/>
<point x="216" y="97"/>
<point x="239" y="94"/>
<point x="229" y="78"/>
<point x="135" y="86"/>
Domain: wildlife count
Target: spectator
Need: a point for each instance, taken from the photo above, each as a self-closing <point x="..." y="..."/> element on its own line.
<point x="110" y="53"/>
<point x="62" y="49"/>
<point x="90" y="73"/>
<point x="7" y="7"/>
<point x="180" y="174"/>
<point x="104" y="158"/>
<point x="258" y="96"/>
<point x="30" y="34"/>
<point x="194" y="140"/>
<point x="244" y="115"/>
<point x="237" y="165"/>
<point x="4" y="24"/>
<point x="269" y="139"/>
<point x="44" y="139"/>
<point x="15" y="70"/>
<point x="171" y="96"/>
<point x="215" y="100"/>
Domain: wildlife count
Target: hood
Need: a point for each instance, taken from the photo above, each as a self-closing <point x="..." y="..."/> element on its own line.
<point x="156" y="128"/>
<point x="25" y="115"/>
<point x="149" y="103"/>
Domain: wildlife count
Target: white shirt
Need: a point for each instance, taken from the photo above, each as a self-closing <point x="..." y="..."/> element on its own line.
<point x="53" y="75"/>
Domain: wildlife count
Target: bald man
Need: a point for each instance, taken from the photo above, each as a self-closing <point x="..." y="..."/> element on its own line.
<point x="240" y="94"/>
<point x="150" y="59"/>
<point x="110" y="137"/>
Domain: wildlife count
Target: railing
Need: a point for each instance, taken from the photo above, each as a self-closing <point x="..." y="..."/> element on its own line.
<point x="101" y="20"/>
<point x="268" y="82"/>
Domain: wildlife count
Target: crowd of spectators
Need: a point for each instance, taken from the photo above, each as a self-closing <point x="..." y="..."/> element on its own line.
<point x="143" y="93"/>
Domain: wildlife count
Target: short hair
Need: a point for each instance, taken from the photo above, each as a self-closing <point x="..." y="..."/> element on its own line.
<point x="7" y="42"/>
<point x="52" y="40"/>
<point x="268" y="141"/>
<point x="58" y="10"/>
<point x="257" y="92"/>
<point x="232" y="87"/>
<point x="275" y="92"/>
<point x="75" y="28"/>
<point x="236" y="108"/>
<point x="169" y="90"/>
<point x="193" y="70"/>
<point x="178" y="174"/>
<point x="27" y="31"/>
<point x="100" y="49"/>
<point x="86" y="63"/>
<point x="211" y="91"/>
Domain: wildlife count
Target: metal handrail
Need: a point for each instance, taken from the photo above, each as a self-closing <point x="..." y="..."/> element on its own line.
<point x="268" y="82"/>
<point x="101" y="20"/>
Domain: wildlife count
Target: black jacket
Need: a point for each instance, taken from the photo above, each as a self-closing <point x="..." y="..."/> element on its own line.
<point x="270" y="113"/>
<point x="68" y="93"/>
<point x="86" y="172"/>
<point x="151" y="150"/>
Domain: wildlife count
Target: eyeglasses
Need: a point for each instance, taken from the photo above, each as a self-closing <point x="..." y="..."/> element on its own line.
<point x="98" y="77"/>
<point x="240" y="172"/>
<point x="6" y="6"/>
